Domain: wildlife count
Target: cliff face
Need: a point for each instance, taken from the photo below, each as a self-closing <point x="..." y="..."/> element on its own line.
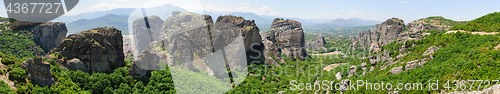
<point x="146" y="30"/>
<point x="288" y="36"/>
<point x="48" y="35"/>
<point x="39" y="71"/>
<point x="389" y="30"/>
<point x="249" y="32"/>
<point x="100" y="49"/>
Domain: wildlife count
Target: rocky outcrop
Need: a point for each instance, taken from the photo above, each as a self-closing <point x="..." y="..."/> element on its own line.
<point x="410" y="35"/>
<point x="396" y="70"/>
<point x="148" y="61"/>
<point x="389" y="30"/>
<point x="145" y="31"/>
<point x="100" y="49"/>
<point x="268" y="39"/>
<point x="49" y="35"/>
<point x="247" y="29"/>
<point x="191" y="40"/>
<point x="288" y="37"/>
<point x="431" y="23"/>
<point x="413" y="64"/>
<point x="352" y="70"/>
<point x="318" y="43"/>
<point x="39" y="71"/>
<point x="75" y="64"/>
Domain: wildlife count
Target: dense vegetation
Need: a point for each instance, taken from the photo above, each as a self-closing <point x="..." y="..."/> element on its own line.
<point x="487" y="23"/>
<point x="18" y="45"/>
<point x="464" y="56"/>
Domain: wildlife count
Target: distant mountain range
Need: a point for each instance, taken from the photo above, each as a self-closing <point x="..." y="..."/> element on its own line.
<point x="118" y="18"/>
<point x="352" y="22"/>
<point x="111" y="20"/>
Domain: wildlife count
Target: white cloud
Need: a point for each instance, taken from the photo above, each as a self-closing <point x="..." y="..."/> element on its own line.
<point x="264" y="10"/>
<point x="403" y="2"/>
<point x="245" y="3"/>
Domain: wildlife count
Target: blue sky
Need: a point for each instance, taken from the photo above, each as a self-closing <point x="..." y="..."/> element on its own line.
<point x="378" y="10"/>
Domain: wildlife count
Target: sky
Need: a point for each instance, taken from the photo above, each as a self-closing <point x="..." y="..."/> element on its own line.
<point x="378" y="10"/>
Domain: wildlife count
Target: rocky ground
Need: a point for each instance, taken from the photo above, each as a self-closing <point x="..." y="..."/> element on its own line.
<point x="5" y="76"/>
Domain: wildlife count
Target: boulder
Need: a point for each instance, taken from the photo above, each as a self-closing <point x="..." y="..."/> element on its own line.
<point x="49" y="35"/>
<point x="352" y="70"/>
<point x="76" y="64"/>
<point x="39" y="72"/>
<point x="100" y="49"/>
<point x="338" y="76"/>
<point x="396" y="70"/>
<point x="411" y="65"/>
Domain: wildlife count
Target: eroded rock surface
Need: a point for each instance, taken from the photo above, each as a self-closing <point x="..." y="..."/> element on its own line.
<point x="286" y="36"/>
<point x="39" y="71"/>
<point x="100" y="49"/>
<point x="49" y="35"/>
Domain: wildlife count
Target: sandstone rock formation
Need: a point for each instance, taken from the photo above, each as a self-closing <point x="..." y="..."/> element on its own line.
<point x="191" y="40"/>
<point x="148" y="60"/>
<point x="318" y="43"/>
<point x="100" y="49"/>
<point x="50" y="34"/>
<point x="145" y="31"/>
<point x="248" y="30"/>
<point x="268" y="39"/>
<point x="389" y="30"/>
<point x="39" y="71"/>
<point x="288" y="36"/>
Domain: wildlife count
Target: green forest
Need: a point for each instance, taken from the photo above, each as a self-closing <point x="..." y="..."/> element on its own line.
<point x="487" y="23"/>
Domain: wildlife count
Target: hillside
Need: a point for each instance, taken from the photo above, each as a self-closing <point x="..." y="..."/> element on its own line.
<point x="459" y="56"/>
<point x="433" y="23"/>
<point x="110" y="20"/>
<point x="437" y="21"/>
<point x="486" y="23"/>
